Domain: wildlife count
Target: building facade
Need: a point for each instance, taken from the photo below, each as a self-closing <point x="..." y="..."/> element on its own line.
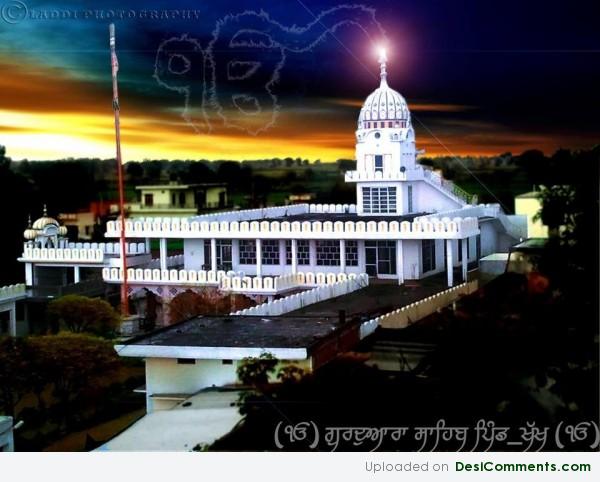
<point x="178" y="200"/>
<point x="407" y="223"/>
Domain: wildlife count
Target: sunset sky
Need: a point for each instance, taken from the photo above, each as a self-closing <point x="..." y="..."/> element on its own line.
<point x="479" y="77"/>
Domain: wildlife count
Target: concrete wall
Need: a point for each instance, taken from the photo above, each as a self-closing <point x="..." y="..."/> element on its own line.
<point x="166" y="376"/>
<point x="426" y="198"/>
<point x="212" y="195"/>
<point x="529" y="207"/>
<point x="193" y="254"/>
<point x="489" y="238"/>
<point x="170" y="382"/>
<point x="412" y="259"/>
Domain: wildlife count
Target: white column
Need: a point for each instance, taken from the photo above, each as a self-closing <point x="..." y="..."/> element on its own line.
<point x="76" y="274"/>
<point x="400" y="261"/>
<point x="12" y="323"/>
<point x="163" y="253"/>
<point x="463" y="245"/>
<point x="294" y="256"/>
<point x="259" y="257"/>
<point x="342" y="255"/>
<point x="28" y="274"/>
<point x="213" y="254"/>
<point x="282" y="256"/>
<point x="147" y="242"/>
<point x="235" y="254"/>
<point x="312" y="247"/>
<point x="449" y="262"/>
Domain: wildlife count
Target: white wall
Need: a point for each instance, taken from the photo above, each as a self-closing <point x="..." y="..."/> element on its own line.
<point x="426" y="198"/>
<point x="193" y="254"/>
<point x="166" y="376"/>
<point x="489" y="237"/>
<point x="412" y="258"/>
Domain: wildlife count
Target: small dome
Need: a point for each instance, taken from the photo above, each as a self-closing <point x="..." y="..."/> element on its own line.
<point x="62" y="231"/>
<point x="30" y="234"/>
<point x="44" y="221"/>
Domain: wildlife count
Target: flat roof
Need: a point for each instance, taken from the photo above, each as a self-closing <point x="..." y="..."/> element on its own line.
<point x="242" y="332"/>
<point x="181" y="186"/>
<point x="528" y="195"/>
<point x="531" y="244"/>
<point x="292" y="336"/>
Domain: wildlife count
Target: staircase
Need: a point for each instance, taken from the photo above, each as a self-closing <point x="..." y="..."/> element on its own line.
<point x="448" y="187"/>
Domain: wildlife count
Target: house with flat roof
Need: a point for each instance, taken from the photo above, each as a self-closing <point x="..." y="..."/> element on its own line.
<point x="178" y="200"/>
<point x="529" y="204"/>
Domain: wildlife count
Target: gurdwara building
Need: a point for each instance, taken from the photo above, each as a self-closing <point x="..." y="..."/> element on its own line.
<point x="407" y="223"/>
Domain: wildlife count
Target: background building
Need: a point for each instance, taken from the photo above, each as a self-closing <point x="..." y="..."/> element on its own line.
<point x="178" y="200"/>
<point x="529" y="205"/>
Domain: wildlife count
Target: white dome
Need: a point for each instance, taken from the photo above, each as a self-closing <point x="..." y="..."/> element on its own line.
<point x="384" y="104"/>
<point x="44" y="221"/>
<point x="30" y="234"/>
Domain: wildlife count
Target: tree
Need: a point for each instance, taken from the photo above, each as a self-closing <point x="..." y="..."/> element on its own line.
<point x="135" y="171"/>
<point x="82" y="314"/>
<point x="14" y="373"/>
<point x="256" y="371"/>
<point x="72" y="362"/>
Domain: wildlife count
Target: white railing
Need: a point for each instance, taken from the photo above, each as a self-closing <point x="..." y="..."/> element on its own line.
<point x="458" y="227"/>
<point x="172" y="261"/>
<point x="354" y="176"/>
<point x="59" y="255"/>
<point x="492" y="210"/>
<point x="84" y="252"/>
<point x="166" y="276"/>
<point x="12" y="291"/>
<point x="332" y="208"/>
<point x="299" y="300"/>
<point x="110" y="248"/>
<point x="278" y="284"/>
<point x="464" y="212"/>
<point x="402" y="317"/>
<point x="447" y="186"/>
<point x="253" y="214"/>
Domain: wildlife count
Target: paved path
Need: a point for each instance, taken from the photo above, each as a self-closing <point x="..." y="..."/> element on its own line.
<point x="201" y="419"/>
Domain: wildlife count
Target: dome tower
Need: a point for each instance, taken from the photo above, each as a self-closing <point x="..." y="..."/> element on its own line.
<point x="385" y="152"/>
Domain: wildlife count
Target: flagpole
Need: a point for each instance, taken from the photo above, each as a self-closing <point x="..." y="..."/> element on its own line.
<point x="114" y="68"/>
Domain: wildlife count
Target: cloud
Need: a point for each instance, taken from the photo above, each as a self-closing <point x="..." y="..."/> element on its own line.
<point x="49" y="115"/>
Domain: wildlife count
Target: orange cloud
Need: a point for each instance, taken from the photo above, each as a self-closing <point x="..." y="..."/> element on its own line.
<point x="48" y="115"/>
